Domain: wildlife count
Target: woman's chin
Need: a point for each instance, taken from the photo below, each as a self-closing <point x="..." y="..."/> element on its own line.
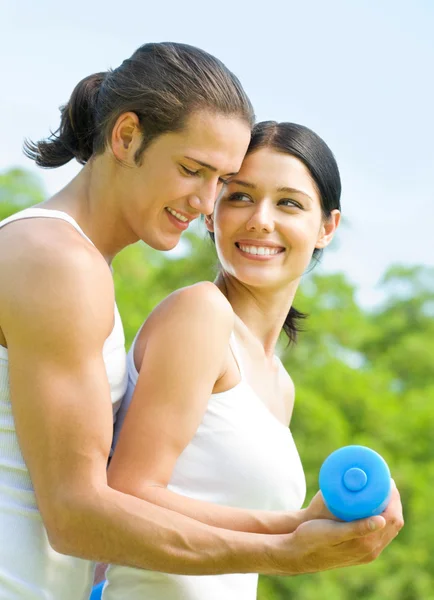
<point x="256" y="280"/>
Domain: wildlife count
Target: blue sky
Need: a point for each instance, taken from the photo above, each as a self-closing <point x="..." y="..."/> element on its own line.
<point x="360" y="73"/>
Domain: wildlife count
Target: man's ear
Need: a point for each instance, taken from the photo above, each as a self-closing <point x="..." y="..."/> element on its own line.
<point x="328" y="229"/>
<point x="126" y="137"/>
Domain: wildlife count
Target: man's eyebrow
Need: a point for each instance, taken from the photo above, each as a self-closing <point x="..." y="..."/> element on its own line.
<point x="207" y="166"/>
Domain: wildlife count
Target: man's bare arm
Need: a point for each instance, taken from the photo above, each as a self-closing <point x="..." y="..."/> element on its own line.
<point x="56" y="310"/>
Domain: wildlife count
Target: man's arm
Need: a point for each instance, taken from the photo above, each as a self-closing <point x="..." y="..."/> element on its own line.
<point x="56" y="310"/>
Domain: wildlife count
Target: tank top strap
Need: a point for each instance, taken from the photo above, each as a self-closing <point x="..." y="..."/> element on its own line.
<point x="132" y="370"/>
<point x="233" y="344"/>
<point x="32" y="213"/>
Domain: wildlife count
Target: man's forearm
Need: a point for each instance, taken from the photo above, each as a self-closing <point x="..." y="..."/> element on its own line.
<point x="117" y="528"/>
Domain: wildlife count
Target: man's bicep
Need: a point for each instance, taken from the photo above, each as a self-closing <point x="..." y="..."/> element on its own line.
<point x="63" y="416"/>
<point x="59" y="389"/>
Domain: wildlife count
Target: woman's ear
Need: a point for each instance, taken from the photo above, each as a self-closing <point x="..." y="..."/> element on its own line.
<point x="328" y="229"/>
<point x="209" y="223"/>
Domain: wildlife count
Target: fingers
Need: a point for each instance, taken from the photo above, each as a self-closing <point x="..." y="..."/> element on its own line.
<point x="393" y="513"/>
<point x="339" y="532"/>
<point x="361" y="527"/>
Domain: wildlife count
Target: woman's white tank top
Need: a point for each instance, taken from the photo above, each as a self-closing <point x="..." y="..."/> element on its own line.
<point x="29" y="568"/>
<point x="240" y="456"/>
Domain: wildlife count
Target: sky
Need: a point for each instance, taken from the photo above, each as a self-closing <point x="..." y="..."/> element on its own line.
<point x="358" y="72"/>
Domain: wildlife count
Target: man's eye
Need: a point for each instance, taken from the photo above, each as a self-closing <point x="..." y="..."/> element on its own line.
<point x="188" y="171"/>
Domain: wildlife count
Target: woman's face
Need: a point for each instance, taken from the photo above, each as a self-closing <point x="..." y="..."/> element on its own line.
<point x="180" y="177"/>
<point x="268" y="221"/>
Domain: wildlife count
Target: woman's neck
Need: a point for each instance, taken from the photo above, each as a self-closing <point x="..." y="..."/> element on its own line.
<point x="261" y="311"/>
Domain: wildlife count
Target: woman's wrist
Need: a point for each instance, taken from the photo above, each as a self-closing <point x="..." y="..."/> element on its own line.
<point x="291" y="520"/>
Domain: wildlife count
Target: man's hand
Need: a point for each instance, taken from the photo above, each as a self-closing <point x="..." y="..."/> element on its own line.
<point x="320" y="544"/>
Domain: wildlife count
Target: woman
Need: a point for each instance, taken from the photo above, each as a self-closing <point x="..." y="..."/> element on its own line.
<point x="203" y="429"/>
<point x="158" y="137"/>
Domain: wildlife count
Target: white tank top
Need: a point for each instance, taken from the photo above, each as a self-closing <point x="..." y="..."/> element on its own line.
<point x="240" y="456"/>
<point x="29" y="568"/>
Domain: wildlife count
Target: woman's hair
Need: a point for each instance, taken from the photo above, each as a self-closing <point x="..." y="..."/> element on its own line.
<point x="162" y="83"/>
<point x="313" y="152"/>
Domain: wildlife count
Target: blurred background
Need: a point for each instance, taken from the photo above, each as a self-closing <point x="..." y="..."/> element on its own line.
<point x="359" y="74"/>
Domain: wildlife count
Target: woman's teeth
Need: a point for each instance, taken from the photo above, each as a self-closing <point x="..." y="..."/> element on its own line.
<point x="177" y="215"/>
<point x="261" y="250"/>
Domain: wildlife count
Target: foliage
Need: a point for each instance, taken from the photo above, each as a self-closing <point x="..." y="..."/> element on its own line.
<point x="361" y="377"/>
<point x="18" y="189"/>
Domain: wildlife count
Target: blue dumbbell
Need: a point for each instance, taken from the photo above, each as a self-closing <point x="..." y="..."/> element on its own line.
<point x="97" y="591"/>
<point x="355" y="483"/>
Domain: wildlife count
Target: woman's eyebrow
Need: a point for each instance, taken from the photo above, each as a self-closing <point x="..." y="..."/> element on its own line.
<point x="290" y="190"/>
<point x="244" y="183"/>
<point x="287" y="190"/>
<point x="207" y="166"/>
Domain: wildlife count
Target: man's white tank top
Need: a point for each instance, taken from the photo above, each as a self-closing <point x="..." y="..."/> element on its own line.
<point x="240" y="456"/>
<point x="29" y="568"/>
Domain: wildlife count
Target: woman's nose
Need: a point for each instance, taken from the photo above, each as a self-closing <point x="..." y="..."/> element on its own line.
<point x="262" y="219"/>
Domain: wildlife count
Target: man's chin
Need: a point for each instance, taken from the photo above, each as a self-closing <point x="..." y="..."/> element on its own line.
<point x="164" y="245"/>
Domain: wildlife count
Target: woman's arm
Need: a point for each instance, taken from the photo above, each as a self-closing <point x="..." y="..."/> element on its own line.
<point x="186" y="342"/>
<point x="56" y="310"/>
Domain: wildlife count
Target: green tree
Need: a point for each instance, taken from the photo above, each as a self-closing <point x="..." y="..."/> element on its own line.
<point x="361" y="377"/>
<point x="18" y="189"/>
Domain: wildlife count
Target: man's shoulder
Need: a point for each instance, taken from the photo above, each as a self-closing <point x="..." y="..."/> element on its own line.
<point x="46" y="266"/>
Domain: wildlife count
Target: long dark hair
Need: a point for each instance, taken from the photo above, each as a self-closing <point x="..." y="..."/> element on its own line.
<point x="307" y="146"/>
<point x="162" y="83"/>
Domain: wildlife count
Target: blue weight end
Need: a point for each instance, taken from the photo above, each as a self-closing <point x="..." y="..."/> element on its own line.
<point x="97" y="591"/>
<point x="355" y="483"/>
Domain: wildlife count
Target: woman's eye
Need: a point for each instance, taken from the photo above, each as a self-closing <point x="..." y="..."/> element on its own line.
<point x="290" y="203"/>
<point x="238" y="196"/>
<point x="188" y="171"/>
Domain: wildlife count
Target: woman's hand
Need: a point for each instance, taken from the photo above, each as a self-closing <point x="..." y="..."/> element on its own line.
<point x="318" y="510"/>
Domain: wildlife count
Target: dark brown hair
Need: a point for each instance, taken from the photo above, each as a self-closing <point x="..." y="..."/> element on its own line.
<point x="307" y="146"/>
<point x="162" y="83"/>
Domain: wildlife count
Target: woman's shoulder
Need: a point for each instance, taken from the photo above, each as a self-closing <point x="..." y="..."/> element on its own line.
<point x="201" y="305"/>
<point x="203" y="291"/>
<point x="195" y="300"/>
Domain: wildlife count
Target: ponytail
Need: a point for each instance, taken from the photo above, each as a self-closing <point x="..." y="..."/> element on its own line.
<point x="162" y="83"/>
<point x="75" y="136"/>
<point x="291" y="326"/>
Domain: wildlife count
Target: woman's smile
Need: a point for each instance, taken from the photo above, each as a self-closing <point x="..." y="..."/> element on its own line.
<point x="259" y="250"/>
